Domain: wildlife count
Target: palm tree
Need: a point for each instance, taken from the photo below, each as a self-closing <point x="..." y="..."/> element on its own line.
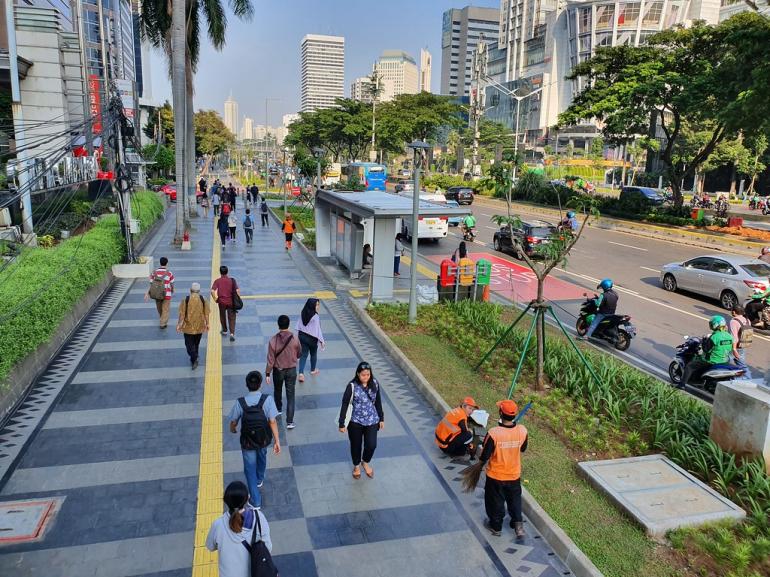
<point x="164" y="24"/>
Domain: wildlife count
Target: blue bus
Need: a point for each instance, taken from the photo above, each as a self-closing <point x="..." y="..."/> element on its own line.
<point x="370" y="174"/>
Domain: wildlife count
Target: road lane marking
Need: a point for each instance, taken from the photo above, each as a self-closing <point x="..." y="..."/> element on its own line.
<point x="323" y="295"/>
<point x="490" y="227"/>
<point x="210" y="473"/>
<point x="422" y="269"/>
<point x="649" y="269"/>
<point x="487" y="215"/>
<point x="628" y="246"/>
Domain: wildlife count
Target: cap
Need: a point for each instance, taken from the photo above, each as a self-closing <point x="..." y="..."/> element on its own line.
<point x="195" y="287"/>
<point x="508" y="407"/>
<point x="470" y="402"/>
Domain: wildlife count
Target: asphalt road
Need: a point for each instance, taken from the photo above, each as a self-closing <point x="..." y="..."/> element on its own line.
<point x="661" y="318"/>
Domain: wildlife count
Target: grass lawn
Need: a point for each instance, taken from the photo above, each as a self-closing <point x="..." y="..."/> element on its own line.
<point x="616" y="545"/>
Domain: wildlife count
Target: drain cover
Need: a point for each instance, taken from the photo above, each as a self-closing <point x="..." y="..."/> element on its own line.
<point x="22" y="521"/>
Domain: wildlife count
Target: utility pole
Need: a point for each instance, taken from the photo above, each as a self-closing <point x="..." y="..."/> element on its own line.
<point x="88" y="121"/>
<point x="477" y="101"/>
<point x="18" y="123"/>
<point x="418" y="147"/>
<point x="374" y="81"/>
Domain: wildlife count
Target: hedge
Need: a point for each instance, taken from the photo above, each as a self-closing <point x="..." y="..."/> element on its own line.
<point x="42" y="285"/>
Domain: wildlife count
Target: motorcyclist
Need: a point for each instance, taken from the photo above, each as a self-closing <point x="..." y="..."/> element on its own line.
<point x="469" y="224"/>
<point x="606" y="305"/>
<point x="755" y="306"/>
<point x="765" y="255"/>
<point x="571" y="222"/>
<point x="717" y="348"/>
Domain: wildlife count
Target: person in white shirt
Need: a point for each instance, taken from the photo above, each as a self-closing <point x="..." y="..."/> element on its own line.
<point x="235" y="526"/>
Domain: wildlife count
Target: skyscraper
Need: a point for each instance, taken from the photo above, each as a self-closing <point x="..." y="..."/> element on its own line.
<point x="323" y="71"/>
<point x="398" y="74"/>
<point x="231" y="115"/>
<point x="425" y="70"/>
<point x="360" y="89"/>
<point x="247" y="130"/>
<point x="460" y="33"/>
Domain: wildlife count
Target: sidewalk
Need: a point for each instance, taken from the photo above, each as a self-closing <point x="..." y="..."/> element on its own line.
<point x="122" y="446"/>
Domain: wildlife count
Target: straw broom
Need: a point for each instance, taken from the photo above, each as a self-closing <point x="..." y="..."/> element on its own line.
<point x="470" y="476"/>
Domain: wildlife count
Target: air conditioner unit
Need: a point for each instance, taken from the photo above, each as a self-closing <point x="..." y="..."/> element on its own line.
<point x="5" y="217"/>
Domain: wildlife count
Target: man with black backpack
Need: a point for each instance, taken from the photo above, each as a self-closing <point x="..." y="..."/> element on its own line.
<point x="160" y="290"/>
<point x="248" y="226"/>
<point x="257" y="413"/>
<point x="193" y="321"/>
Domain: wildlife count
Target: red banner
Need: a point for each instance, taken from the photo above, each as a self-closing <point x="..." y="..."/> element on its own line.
<point x="94" y="103"/>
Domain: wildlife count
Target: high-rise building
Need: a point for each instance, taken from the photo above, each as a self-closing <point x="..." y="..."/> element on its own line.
<point x="425" y="70"/>
<point x="247" y="130"/>
<point x="398" y="74"/>
<point x="730" y="8"/>
<point x="460" y="33"/>
<point x="323" y="71"/>
<point x="360" y="89"/>
<point x="231" y="115"/>
<point x="287" y="119"/>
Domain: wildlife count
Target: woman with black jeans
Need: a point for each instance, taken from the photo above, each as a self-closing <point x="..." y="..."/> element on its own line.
<point x="362" y="397"/>
<point x="310" y="337"/>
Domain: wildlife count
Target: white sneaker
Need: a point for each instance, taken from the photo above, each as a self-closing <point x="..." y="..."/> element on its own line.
<point x="279" y="413"/>
<point x="259" y="485"/>
<point x="289" y="425"/>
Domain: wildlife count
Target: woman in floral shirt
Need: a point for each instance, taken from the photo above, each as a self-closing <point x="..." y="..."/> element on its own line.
<point x="362" y="397"/>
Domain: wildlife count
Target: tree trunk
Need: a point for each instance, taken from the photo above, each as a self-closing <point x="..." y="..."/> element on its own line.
<point x="733" y="180"/>
<point x="540" y="335"/>
<point x="190" y="148"/>
<point x="178" y="82"/>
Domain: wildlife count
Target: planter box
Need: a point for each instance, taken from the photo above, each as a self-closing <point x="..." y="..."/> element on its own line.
<point x="136" y="270"/>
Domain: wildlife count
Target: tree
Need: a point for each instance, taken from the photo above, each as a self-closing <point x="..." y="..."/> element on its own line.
<point x="697" y="77"/>
<point x="211" y="134"/>
<point x="757" y="163"/>
<point x="166" y="124"/>
<point x="163" y="157"/>
<point x="410" y="117"/>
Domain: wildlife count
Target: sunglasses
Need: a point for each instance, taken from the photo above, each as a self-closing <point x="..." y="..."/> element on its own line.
<point x="364" y="367"/>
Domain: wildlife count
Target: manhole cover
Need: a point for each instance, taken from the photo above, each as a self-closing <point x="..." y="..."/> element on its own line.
<point x="25" y="520"/>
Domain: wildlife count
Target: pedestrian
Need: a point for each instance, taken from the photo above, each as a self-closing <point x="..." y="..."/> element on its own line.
<point x="368" y="257"/>
<point x="222" y="290"/>
<point x="236" y="527"/>
<point x="248" y="226"/>
<point x="743" y="335"/>
<point x="289" y="228"/>
<point x="257" y="414"/>
<point x="263" y="213"/>
<point x="310" y="336"/>
<point x="399" y="251"/>
<point x="501" y="452"/>
<point x="255" y="194"/>
<point x="193" y="321"/>
<point x="283" y="350"/>
<point x="224" y="229"/>
<point x="231" y="195"/>
<point x="232" y="223"/>
<point x="361" y="417"/>
<point x="216" y="200"/>
<point x="205" y="205"/>
<point x="452" y="434"/>
<point x="160" y="290"/>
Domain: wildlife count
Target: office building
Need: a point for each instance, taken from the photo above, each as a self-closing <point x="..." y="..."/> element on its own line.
<point x="398" y="74"/>
<point x="231" y="115"/>
<point x="287" y="119"/>
<point x="361" y="89"/>
<point x="425" y="71"/>
<point x="461" y="31"/>
<point x="323" y="71"/>
<point x="730" y="8"/>
<point x="247" y="130"/>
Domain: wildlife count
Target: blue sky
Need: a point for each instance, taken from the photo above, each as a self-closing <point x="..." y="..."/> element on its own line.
<point x="262" y="57"/>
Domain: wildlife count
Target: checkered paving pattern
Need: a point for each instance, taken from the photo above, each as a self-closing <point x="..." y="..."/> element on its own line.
<point x="121" y="446"/>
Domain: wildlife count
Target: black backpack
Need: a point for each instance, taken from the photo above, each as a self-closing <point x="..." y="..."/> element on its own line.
<point x="255" y="428"/>
<point x="247" y="221"/>
<point x="260" y="559"/>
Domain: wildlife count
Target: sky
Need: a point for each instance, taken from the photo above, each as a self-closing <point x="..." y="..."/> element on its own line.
<point x="262" y="57"/>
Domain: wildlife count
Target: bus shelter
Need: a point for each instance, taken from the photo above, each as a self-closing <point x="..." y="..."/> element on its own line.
<point x="346" y="221"/>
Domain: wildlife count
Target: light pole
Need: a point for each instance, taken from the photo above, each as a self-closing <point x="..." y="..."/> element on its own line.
<point x="418" y="147"/>
<point x="318" y="152"/>
<point x="283" y="180"/>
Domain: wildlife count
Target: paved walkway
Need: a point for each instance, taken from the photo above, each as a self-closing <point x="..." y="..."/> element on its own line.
<point x="134" y="449"/>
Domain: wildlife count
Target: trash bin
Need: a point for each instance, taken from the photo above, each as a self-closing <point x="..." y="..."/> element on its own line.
<point x="696" y="214"/>
<point x="735" y="221"/>
<point x="445" y="282"/>
<point x="483" y="272"/>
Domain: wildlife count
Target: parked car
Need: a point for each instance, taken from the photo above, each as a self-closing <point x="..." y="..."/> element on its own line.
<point x="405" y="173"/>
<point x="454" y="220"/>
<point x="728" y="278"/>
<point x="404" y="185"/>
<point x="530" y="236"/>
<point x="461" y="194"/>
<point x="170" y="191"/>
<point x="637" y="193"/>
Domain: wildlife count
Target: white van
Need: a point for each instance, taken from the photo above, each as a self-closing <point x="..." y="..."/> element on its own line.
<point x="433" y="227"/>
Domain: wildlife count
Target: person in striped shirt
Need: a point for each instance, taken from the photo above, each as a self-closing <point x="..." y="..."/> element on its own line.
<point x="163" y="305"/>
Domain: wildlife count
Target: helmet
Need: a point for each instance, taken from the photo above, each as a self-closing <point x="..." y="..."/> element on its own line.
<point x="571" y="214"/>
<point x="606" y="284"/>
<point x="766" y="250"/>
<point x="717" y="321"/>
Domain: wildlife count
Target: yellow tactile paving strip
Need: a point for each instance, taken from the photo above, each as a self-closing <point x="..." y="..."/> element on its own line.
<point x="210" y="475"/>
<point x="323" y="295"/>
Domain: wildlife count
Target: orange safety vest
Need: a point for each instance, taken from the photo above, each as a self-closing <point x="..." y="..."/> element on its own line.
<point x="449" y="427"/>
<point x="289" y="227"/>
<point x="505" y="463"/>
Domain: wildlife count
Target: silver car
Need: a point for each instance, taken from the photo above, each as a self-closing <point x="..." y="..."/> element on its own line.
<point x="727" y="278"/>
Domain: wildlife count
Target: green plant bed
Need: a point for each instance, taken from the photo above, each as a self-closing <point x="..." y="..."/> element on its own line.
<point x="147" y="207"/>
<point x="629" y="413"/>
<point x="305" y="220"/>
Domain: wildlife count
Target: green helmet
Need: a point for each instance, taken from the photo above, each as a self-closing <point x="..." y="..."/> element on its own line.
<point x="717" y="321"/>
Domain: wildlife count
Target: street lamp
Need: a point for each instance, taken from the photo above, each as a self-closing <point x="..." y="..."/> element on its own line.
<point x="319" y="153"/>
<point x="418" y="146"/>
<point x="283" y="181"/>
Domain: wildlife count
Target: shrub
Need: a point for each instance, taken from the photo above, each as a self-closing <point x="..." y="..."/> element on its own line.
<point x="147" y="207"/>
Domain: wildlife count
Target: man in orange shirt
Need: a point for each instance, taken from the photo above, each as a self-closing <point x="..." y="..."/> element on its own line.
<point x="501" y="451"/>
<point x="452" y="434"/>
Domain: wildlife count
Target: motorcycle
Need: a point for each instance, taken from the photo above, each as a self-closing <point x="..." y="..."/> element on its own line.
<point x="758" y="314"/>
<point x="469" y="233"/>
<point x="685" y="353"/>
<point x="720" y="209"/>
<point x="615" y="329"/>
<point x="765" y="208"/>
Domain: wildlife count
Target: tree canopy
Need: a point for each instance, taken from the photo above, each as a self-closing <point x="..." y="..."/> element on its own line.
<point x="166" y="124"/>
<point x="211" y="134"/>
<point x="709" y="80"/>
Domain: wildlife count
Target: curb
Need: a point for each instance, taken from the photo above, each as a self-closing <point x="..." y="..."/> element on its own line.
<point x="575" y="560"/>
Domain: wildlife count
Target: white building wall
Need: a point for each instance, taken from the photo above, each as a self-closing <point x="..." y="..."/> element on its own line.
<point x="323" y="71"/>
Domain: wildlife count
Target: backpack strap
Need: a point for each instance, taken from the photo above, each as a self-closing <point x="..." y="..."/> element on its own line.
<point x="261" y="400"/>
<point x="242" y="402"/>
<point x="186" y="306"/>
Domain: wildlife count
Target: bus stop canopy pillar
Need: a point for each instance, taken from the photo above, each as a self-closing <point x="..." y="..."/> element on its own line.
<point x="382" y="267"/>
<point x="322" y="228"/>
